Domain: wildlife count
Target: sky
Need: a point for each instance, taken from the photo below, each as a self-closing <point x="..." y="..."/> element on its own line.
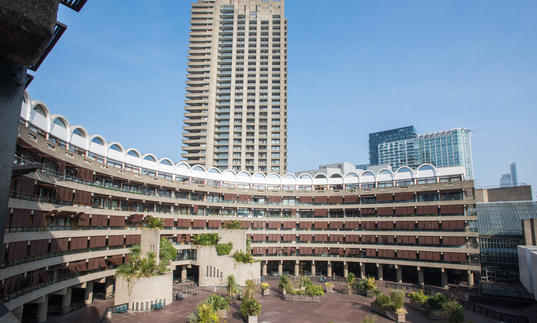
<point x="359" y="67"/>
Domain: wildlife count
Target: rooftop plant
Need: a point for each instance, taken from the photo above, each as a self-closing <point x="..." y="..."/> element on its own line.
<point x="243" y="257"/>
<point x="224" y="248"/>
<point x="138" y="266"/>
<point x="205" y="239"/>
<point x="153" y="223"/>
<point x="232" y="225"/>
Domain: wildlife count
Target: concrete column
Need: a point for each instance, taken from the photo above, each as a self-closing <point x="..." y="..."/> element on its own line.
<point x="280" y="268"/>
<point x="380" y="272"/>
<point x="264" y="269"/>
<point x="109" y="287"/>
<point x="297" y="269"/>
<point x="470" y="278"/>
<point x="183" y="274"/>
<point x="362" y="270"/>
<point x="399" y="274"/>
<point x="443" y="276"/>
<point x="42" y="309"/>
<point x="88" y="293"/>
<point x="17" y="312"/>
<point x="313" y="268"/>
<point x="329" y="270"/>
<point x="420" y="277"/>
<point x="345" y="269"/>
<point x="66" y="300"/>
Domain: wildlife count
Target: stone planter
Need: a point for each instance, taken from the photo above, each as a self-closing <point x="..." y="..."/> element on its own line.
<point x="303" y="298"/>
<point x="347" y="291"/>
<point x="417" y="306"/>
<point x="284" y="292"/>
<point x="434" y="316"/>
<point x="366" y="293"/>
<point x="252" y="319"/>
<point x="265" y="292"/>
<point x="329" y="289"/>
<point x="399" y="316"/>
<point x="222" y="314"/>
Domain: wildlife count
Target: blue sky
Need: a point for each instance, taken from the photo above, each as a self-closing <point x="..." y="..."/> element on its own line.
<point x="360" y="67"/>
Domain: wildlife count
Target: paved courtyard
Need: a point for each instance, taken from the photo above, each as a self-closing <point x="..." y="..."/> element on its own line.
<point x="336" y="307"/>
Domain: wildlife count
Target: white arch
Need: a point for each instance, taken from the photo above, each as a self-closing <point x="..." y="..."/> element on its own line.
<point x="118" y="145"/>
<point x="79" y="140"/>
<point x="36" y="118"/>
<point x="135" y="151"/>
<point x="198" y="168"/>
<point x="57" y="129"/>
<point x="165" y="161"/>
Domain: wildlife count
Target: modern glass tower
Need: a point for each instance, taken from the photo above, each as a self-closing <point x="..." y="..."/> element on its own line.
<point x="400" y="153"/>
<point x="377" y="138"/>
<point x="236" y="100"/>
<point x="448" y="148"/>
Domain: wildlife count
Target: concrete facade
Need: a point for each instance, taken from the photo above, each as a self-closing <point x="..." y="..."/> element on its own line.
<point x="527" y="258"/>
<point x="501" y="194"/>
<point x="141" y="293"/>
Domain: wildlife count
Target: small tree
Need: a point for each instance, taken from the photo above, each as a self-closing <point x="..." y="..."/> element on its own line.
<point x="453" y="311"/>
<point x="232" y="288"/>
<point x="350" y="280"/>
<point x="250" y="289"/>
<point x="250" y="307"/>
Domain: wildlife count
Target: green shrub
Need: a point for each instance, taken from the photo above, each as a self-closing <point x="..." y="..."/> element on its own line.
<point x="243" y="257"/>
<point x="382" y="300"/>
<point x="205" y="239"/>
<point x="137" y="266"/>
<point x="153" y="223"/>
<point x="233" y="225"/>
<point x="204" y="313"/>
<point x="218" y="302"/>
<point x="284" y="280"/>
<point x="224" y="248"/>
<point x="453" y="311"/>
<point x="434" y="302"/>
<point x="250" y="307"/>
<point x="397" y="298"/>
<point x="366" y="284"/>
<point x="418" y="296"/>
<point x="314" y="290"/>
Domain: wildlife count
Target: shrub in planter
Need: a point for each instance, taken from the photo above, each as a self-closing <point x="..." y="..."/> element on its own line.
<point x="434" y="302"/>
<point x="204" y="313"/>
<point x="265" y="288"/>
<point x="223" y="249"/>
<point x="250" y="307"/>
<point x="391" y="305"/>
<point x="329" y="287"/>
<point x="418" y="297"/>
<point x="366" y="287"/>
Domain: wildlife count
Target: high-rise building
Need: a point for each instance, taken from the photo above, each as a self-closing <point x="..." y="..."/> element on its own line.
<point x="377" y="138"/>
<point x="448" y="148"/>
<point x="236" y="101"/>
<point x="514" y="175"/>
<point x="510" y="179"/>
<point x="399" y="153"/>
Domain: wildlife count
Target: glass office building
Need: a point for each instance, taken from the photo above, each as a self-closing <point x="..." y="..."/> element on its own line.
<point x="400" y="153"/>
<point x="448" y="148"/>
<point x="377" y="138"/>
<point x="500" y="231"/>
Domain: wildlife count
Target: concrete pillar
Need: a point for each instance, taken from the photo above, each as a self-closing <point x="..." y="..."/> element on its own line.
<point x="88" y="293"/>
<point x="17" y="312"/>
<point x="42" y="309"/>
<point x="264" y="269"/>
<point x="183" y="274"/>
<point x="109" y="287"/>
<point x="443" y="276"/>
<point x="280" y="268"/>
<point x="470" y="278"/>
<point x="399" y="274"/>
<point x="313" y="268"/>
<point x="362" y="270"/>
<point x="345" y="269"/>
<point x="329" y="270"/>
<point x="66" y="300"/>
<point x="380" y="272"/>
<point x="297" y="268"/>
<point x="420" y="277"/>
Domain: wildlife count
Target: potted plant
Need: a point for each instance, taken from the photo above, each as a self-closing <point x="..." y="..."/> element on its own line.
<point x="250" y="308"/>
<point x="265" y="289"/>
<point x="366" y="287"/>
<point x="329" y="287"/>
<point x="220" y="304"/>
<point x="418" y="300"/>
<point x="348" y="286"/>
<point x="285" y="284"/>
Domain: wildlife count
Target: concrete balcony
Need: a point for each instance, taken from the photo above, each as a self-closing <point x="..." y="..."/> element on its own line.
<point x="196" y="101"/>
<point x="191" y="128"/>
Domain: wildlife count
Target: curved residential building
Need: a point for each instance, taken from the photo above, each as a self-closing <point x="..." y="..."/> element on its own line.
<point x="78" y="201"/>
